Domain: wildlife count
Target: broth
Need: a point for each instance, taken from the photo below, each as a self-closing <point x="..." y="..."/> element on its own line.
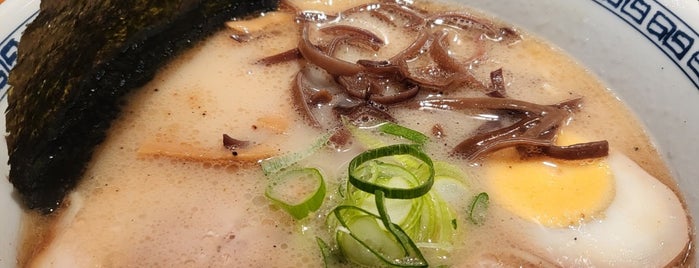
<point x="162" y="191"/>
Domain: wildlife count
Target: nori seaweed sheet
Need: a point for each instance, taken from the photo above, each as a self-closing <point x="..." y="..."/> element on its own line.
<point x="76" y="62"/>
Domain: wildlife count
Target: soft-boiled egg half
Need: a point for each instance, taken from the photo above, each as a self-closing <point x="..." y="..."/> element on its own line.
<point x="601" y="213"/>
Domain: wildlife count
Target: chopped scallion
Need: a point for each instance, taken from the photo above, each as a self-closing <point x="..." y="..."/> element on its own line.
<point x="364" y="183"/>
<point x="404" y="132"/>
<point x="330" y="258"/>
<point x="364" y="241"/>
<point x="276" y="164"/>
<point x="297" y="191"/>
<point x="478" y="208"/>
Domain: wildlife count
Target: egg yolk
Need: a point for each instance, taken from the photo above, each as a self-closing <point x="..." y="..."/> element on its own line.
<point x="554" y="193"/>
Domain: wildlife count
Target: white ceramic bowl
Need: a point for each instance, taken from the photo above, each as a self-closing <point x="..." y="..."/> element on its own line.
<point x="646" y="51"/>
<point x="14" y="15"/>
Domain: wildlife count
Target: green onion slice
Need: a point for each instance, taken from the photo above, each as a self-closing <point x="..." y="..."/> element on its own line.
<point x="365" y="183"/>
<point x="297" y="191"/>
<point x="276" y="164"/>
<point x="363" y="240"/>
<point x="364" y="137"/>
<point x="404" y="132"/>
<point x="330" y="258"/>
<point x="478" y="208"/>
<point x="404" y="212"/>
<point x="412" y="251"/>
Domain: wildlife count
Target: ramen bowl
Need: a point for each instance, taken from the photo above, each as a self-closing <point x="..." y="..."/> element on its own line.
<point x="645" y="51"/>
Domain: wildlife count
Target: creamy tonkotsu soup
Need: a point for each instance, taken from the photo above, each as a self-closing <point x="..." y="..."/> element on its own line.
<point x="370" y="135"/>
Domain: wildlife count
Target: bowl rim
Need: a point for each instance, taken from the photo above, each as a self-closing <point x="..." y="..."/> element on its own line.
<point x="681" y="14"/>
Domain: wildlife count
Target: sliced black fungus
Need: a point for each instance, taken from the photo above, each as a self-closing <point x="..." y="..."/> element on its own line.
<point x="497" y="81"/>
<point x="534" y="130"/>
<point x="321" y="97"/>
<point x="364" y="113"/>
<point x="289" y="55"/>
<point x="234" y="144"/>
<point x="299" y="95"/>
<point x="586" y="150"/>
<point x="428" y="64"/>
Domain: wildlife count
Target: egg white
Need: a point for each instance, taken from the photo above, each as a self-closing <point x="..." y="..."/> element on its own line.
<point x="644" y="226"/>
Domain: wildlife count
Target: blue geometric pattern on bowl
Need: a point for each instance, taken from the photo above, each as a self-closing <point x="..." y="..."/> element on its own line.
<point x="8" y="53"/>
<point x="664" y="29"/>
